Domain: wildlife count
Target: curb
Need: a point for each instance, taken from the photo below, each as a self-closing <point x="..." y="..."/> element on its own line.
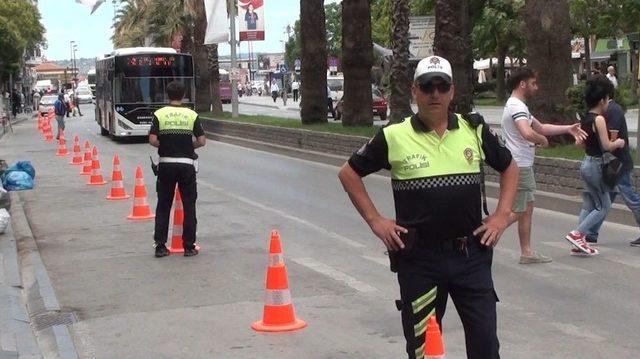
<point x="259" y="105"/>
<point x="48" y="322"/>
<point x="546" y="200"/>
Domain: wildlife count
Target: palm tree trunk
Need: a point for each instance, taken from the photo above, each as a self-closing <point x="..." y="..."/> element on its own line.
<point x="548" y="53"/>
<point x="201" y="62"/>
<point x="313" y="70"/>
<point x="214" y="69"/>
<point x="357" y="59"/>
<point x="400" y="79"/>
<point x="453" y="42"/>
<point x="500" y="85"/>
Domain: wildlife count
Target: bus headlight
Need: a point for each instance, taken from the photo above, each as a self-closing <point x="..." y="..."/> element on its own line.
<point x="124" y="125"/>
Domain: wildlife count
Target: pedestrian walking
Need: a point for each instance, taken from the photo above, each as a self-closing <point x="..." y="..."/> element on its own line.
<point x="36" y="100"/>
<point x="275" y="90"/>
<point x="522" y="133"/>
<point x="611" y="75"/>
<point x="76" y="104"/>
<point x="16" y="102"/>
<point x="67" y="102"/>
<point x="439" y="245"/>
<point x="60" y="109"/>
<point x="617" y="125"/>
<point x="597" y="202"/>
<point x="330" y="103"/>
<point x="295" y="87"/>
<point x="171" y="132"/>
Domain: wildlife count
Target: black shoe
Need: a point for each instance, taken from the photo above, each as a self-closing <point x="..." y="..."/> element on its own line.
<point x="190" y="252"/>
<point x="635" y="243"/>
<point x="161" y="251"/>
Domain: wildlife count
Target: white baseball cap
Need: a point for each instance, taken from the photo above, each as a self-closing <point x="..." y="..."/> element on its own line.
<point x="430" y="67"/>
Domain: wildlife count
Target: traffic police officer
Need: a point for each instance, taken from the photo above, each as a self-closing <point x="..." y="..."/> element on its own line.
<point x="172" y="131"/>
<point x="439" y="244"/>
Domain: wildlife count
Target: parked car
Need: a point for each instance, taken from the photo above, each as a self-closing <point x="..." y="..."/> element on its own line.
<point x="46" y="103"/>
<point x="379" y="105"/>
<point x="84" y="95"/>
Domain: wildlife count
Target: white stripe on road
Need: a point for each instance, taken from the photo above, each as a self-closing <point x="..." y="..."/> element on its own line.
<point x="384" y="261"/>
<point x="578" y="332"/>
<point x="335" y="274"/>
<point x="609" y="254"/>
<point x="543" y="270"/>
<point x="263" y="207"/>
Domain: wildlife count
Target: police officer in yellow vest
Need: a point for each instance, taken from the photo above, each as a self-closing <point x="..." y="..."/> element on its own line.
<point x="439" y="243"/>
<point x="172" y="131"/>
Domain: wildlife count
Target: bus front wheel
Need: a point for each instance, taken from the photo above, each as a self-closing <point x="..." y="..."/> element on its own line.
<point x="103" y="132"/>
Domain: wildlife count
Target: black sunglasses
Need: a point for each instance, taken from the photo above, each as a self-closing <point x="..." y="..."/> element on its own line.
<point x="429" y="87"/>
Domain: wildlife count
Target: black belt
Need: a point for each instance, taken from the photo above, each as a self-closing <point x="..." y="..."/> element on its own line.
<point x="458" y="244"/>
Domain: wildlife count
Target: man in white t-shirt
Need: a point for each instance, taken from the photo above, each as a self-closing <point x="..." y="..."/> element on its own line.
<point x="522" y="133"/>
<point x="611" y="75"/>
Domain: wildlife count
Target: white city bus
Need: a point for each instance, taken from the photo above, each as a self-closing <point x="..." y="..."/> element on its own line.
<point x="130" y="86"/>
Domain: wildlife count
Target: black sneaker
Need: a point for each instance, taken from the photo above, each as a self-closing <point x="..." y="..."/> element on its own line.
<point x="592" y="241"/>
<point x="190" y="252"/>
<point x="161" y="251"/>
<point x="635" y="243"/>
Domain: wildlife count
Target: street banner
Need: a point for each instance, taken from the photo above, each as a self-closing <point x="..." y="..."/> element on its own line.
<point x="217" y="22"/>
<point x="251" y="20"/>
<point x="422" y="32"/>
<point x="91" y="4"/>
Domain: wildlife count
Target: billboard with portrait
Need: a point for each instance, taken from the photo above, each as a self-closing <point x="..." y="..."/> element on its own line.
<point x="251" y="20"/>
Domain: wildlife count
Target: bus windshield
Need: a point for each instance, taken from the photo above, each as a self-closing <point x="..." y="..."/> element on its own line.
<point x="148" y="90"/>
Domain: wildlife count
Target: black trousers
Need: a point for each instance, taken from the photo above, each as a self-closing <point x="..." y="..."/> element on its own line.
<point x="184" y="175"/>
<point x="428" y="275"/>
<point x="330" y="107"/>
<point x="295" y="95"/>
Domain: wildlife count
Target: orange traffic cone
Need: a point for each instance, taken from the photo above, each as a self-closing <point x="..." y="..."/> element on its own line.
<point x="62" y="146"/>
<point x="96" y="175"/>
<point x="77" y="152"/>
<point x="141" y="209"/>
<point x="178" y="222"/>
<point x="117" y="185"/>
<point x="279" y="314"/>
<point x="88" y="164"/>
<point x="48" y="132"/>
<point x="434" y="346"/>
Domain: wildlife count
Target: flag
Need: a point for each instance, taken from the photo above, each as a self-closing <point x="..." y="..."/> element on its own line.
<point x="91" y="4"/>
<point x="217" y="22"/>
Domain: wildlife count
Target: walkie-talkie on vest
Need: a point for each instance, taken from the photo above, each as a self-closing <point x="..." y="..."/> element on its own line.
<point x="475" y="120"/>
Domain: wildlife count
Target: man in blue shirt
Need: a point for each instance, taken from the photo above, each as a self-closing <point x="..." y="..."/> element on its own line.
<point x="60" y="110"/>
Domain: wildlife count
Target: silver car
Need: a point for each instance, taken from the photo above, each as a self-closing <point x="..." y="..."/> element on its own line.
<point x="46" y="103"/>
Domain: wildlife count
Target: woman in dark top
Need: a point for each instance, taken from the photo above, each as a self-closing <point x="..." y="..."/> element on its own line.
<point x="597" y="202"/>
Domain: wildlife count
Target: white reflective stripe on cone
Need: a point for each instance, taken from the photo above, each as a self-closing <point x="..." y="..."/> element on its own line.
<point x="177" y="230"/>
<point x="140" y="202"/>
<point x="177" y="206"/>
<point x="139" y="181"/>
<point x="116" y="168"/>
<point x="117" y="184"/>
<point x="276" y="259"/>
<point x="277" y="297"/>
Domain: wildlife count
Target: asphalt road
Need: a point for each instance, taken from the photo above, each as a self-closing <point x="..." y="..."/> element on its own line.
<point x="131" y="305"/>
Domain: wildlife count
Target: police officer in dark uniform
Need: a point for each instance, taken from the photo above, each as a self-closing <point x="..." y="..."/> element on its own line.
<point x="172" y="131"/>
<point x="439" y="243"/>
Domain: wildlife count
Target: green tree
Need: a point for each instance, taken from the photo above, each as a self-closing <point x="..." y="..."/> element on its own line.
<point x="497" y="33"/>
<point x="333" y="25"/>
<point x="357" y="60"/>
<point x="20" y="32"/>
<point x="131" y="23"/>
<point x="293" y="46"/>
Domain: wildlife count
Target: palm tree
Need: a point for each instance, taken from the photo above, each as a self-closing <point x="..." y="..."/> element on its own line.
<point x="357" y="59"/>
<point x="549" y="52"/>
<point x="400" y="79"/>
<point x="453" y="42"/>
<point x="201" y="60"/>
<point x="314" y="62"/>
<point x="214" y="69"/>
<point x="130" y="23"/>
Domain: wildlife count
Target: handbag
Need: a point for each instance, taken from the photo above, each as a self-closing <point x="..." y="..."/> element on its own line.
<point x="611" y="165"/>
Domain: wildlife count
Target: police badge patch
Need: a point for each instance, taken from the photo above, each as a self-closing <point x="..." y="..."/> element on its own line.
<point x="468" y="154"/>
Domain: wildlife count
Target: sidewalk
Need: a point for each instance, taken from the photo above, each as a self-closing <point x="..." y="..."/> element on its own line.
<point x="267" y="101"/>
<point x="19" y="118"/>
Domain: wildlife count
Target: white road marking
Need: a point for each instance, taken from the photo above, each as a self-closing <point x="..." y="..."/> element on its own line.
<point x="612" y="255"/>
<point x="543" y="270"/>
<point x="335" y="274"/>
<point x="263" y="207"/>
<point x="384" y="261"/>
<point x="579" y="332"/>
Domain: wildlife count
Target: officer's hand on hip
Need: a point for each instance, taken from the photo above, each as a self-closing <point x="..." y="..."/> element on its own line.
<point x="492" y="229"/>
<point x="388" y="231"/>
